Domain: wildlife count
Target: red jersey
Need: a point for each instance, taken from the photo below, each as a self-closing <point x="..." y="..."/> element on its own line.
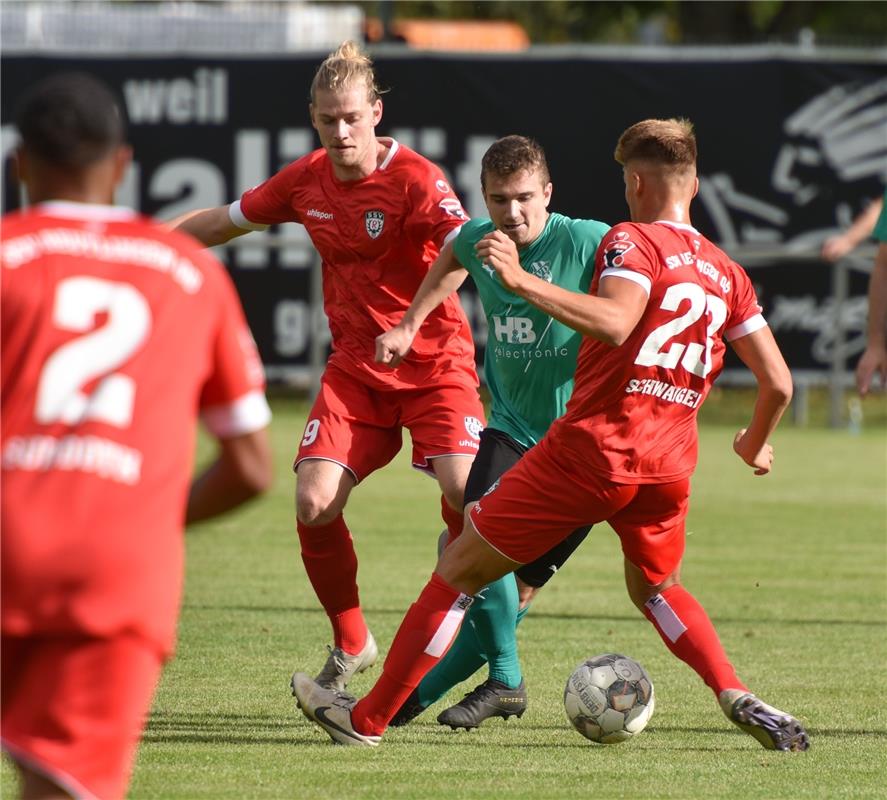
<point x="632" y="416"/>
<point x="116" y="333"/>
<point x="377" y="238"/>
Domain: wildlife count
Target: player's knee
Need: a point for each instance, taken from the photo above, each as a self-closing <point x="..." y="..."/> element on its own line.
<point x="314" y="509"/>
<point x="467" y="569"/>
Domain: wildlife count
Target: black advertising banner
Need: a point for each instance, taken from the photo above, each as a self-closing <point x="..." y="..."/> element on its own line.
<point x="791" y="149"/>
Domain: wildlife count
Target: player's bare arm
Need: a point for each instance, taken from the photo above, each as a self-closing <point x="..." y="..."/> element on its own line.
<point x="760" y="353"/>
<point x="838" y="246"/>
<point x="210" y="226"/>
<point x="242" y="470"/>
<point x="610" y="316"/>
<point x="445" y="277"/>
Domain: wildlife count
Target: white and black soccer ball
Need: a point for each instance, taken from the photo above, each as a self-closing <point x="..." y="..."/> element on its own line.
<point x="609" y="698"/>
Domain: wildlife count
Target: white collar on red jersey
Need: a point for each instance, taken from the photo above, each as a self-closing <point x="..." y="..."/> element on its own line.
<point x="392" y="150"/>
<point x="73" y="210"/>
<point x="679" y="225"/>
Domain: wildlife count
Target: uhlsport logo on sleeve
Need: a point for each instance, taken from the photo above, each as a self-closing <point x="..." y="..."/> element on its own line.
<point x="374" y="221"/>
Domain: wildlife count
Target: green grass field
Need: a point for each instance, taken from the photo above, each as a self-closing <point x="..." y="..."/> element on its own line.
<point x="792" y="568"/>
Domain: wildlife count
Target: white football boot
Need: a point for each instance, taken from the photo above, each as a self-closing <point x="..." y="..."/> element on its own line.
<point x="341" y="667"/>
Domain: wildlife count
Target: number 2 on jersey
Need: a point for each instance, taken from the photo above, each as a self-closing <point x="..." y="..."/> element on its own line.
<point x="70" y="367"/>
<point x="696" y="356"/>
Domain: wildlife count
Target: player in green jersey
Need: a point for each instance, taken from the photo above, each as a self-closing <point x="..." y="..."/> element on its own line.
<point x="529" y="365"/>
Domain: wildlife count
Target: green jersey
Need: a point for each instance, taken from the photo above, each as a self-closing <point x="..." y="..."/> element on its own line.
<point x="531" y="357"/>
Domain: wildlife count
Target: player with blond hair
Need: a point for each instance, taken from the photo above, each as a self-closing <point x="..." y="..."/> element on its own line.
<point x="662" y="303"/>
<point x="378" y="214"/>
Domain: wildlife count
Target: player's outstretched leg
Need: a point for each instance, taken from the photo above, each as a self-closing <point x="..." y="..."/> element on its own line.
<point x="688" y="632"/>
<point x="773" y="728"/>
<point x="331" y="710"/>
<point x="461" y="661"/>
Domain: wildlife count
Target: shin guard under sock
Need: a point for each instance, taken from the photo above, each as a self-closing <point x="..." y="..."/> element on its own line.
<point x="687" y="631"/>
<point x="331" y="564"/>
<point x="424" y="635"/>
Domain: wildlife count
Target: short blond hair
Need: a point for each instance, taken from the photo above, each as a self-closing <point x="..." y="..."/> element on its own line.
<point x="343" y="68"/>
<point x="668" y="143"/>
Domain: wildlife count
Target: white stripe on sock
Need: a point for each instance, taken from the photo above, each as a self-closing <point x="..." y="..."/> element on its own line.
<point x="447" y="629"/>
<point x="669" y="622"/>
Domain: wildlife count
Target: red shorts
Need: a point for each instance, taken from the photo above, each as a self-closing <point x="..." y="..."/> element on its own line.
<point x="360" y="427"/>
<point x="546" y="496"/>
<point x="73" y="708"/>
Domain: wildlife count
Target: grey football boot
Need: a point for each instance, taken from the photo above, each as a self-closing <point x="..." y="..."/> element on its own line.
<point x="774" y="729"/>
<point x="331" y="710"/>
<point x="341" y="667"/>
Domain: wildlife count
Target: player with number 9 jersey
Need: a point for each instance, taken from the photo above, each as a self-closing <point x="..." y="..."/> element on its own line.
<point x="378" y="214"/>
<point x="377" y="238"/>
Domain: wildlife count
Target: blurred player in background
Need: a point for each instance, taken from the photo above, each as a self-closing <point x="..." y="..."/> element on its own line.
<point x="662" y="302"/>
<point x="874" y="360"/>
<point x="378" y="214"/>
<point x="836" y="247"/>
<point x="530" y="361"/>
<point x="116" y="334"/>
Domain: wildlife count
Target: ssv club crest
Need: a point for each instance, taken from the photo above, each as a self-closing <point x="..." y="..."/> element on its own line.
<point x="374" y="221"/>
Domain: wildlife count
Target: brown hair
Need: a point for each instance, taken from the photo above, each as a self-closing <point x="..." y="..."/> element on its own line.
<point x="343" y="68"/>
<point x="512" y="154"/>
<point x="669" y="143"/>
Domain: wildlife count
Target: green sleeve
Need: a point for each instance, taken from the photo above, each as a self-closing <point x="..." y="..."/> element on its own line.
<point x="587" y="234"/>
<point x="880" y="231"/>
<point x="469" y="235"/>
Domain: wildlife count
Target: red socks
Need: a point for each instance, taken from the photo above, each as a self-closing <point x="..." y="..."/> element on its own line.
<point x="454" y="520"/>
<point x="331" y="564"/>
<point x="687" y="631"/>
<point x="424" y="636"/>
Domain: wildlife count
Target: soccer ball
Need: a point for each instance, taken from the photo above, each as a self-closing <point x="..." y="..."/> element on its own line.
<point x="609" y="698"/>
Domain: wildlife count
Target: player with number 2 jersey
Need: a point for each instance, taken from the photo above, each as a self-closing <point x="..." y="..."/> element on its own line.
<point x="117" y="334"/>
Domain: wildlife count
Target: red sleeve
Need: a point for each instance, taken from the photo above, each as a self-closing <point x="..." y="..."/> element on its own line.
<point x="270" y="203"/>
<point x="232" y="400"/>
<point x="434" y="208"/>
<point x="744" y="314"/>
<point x="625" y="251"/>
